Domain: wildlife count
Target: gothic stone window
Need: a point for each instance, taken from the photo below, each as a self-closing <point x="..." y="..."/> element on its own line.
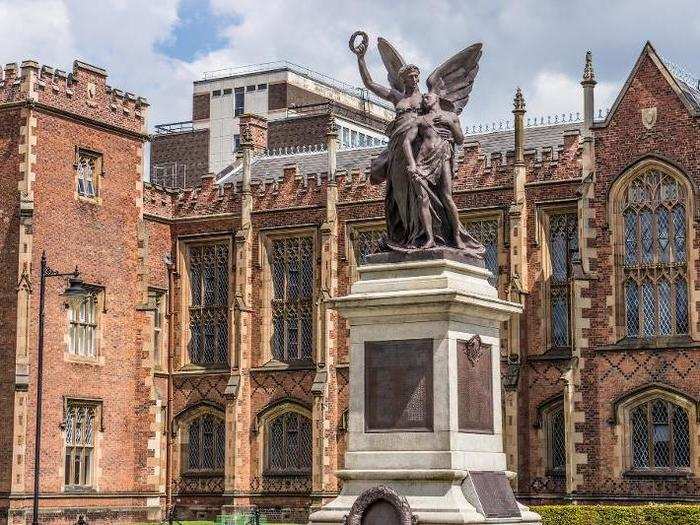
<point x="80" y="425"/>
<point x="654" y="261"/>
<point x="209" y="283"/>
<point x="288" y="445"/>
<point x="88" y="167"/>
<point x="659" y="436"/>
<point x="82" y="331"/>
<point x="486" y="232"/>
<point x="555" y="437"/>
<point x="292" y="272"/>
<point x="366" y="242"/>
<point x="563" y="246"/>
<point x="206" y="444"/>
<point x="156" y="300"/>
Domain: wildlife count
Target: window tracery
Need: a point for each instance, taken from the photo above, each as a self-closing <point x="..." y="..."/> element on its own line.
<point x="208" y="310"/>
<point x="653" y="207"/>
<point x="292" y="273"/>
<point x="288" y="444"/>
<point x="206" y="444"/>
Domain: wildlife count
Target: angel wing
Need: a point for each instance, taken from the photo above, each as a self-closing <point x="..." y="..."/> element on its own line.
<point x="454" y="78"/>
<point x="393" y="61"/>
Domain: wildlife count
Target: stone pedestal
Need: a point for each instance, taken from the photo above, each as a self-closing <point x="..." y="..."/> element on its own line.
<point x="425" y="394"/>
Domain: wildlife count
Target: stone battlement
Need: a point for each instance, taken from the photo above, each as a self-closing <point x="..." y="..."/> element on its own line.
<point x="83" y="92"/>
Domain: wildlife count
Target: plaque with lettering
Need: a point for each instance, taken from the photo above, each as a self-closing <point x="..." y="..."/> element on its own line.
<point x="495" y="494"/>
<point x="399" y="385"/>
<point x="474" y="386"/>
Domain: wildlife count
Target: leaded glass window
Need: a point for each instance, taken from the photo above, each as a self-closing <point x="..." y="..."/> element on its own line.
<point x="82" y="332"/>
<point x="289" y="445"/>
<point x="660" y="436"/>
<point x="206" y="444"/>
<point x="486" y="232"/>
<point x="79" y="424"/>
<point x="655" y="285"/>
<point x="366" y="242"/>
<point x="209" y="283"/>
<point x="292" y="268"/>
<point x="563" y="247"/>
<point x="88" y="166"/>
<point x="556" y="439"/>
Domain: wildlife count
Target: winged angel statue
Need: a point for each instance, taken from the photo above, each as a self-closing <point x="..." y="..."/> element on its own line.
<point x="421" y="157"/>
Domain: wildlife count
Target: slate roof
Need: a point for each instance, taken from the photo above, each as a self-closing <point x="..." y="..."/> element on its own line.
<point x="358" y="159"/>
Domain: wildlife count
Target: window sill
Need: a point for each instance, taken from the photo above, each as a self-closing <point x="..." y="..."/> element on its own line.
<point x="194" y="369"/>
<point x="290" y="474"/>
<point x="95" y="201"/>
<point x="552" y="354"/>
<point x="658" y="473"/>
<point x="203" y="474"/>
<point x="83" y="360"/>
<point x="72" y="489"/>
<point x="651" y="343"/>
<point x="275" y="365"/>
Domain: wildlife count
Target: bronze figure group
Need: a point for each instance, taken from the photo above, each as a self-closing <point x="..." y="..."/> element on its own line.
<point x="420" y="159"/>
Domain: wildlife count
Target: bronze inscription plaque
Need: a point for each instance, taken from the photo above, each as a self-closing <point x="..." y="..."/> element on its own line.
<point x="474" y="386"/>
<point x="399" y="385"/>
<point x="495" y="495"/>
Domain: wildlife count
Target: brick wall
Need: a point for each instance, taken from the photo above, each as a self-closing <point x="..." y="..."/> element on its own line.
<point x="297" y="131"/>
<point x="200" y="106"/>
<point x="180" y="159"/>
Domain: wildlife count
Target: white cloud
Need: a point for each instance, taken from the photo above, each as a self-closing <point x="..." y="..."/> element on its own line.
<point x="538" y="45"/>
<point x="555" y="93"/>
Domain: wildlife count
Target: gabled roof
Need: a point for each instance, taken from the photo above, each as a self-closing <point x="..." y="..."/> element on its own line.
<point x="689" y="96"/>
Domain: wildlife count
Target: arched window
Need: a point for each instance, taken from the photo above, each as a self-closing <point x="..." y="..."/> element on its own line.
<point x="206" y="445"/>
<point x="659" y="436"/>
<point x="288" y="445"/>
<point x="654" y="277"/>
<point x="553" y="424"/>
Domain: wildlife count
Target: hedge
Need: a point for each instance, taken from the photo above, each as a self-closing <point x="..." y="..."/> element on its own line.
<point x="653" y="514"/>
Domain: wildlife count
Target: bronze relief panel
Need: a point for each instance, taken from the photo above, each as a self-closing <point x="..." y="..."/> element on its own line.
<point x="399" y="385"/>
<point x="474" y="386"/>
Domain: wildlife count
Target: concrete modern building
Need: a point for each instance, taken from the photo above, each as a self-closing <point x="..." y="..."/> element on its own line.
<point x="293" y="99"/>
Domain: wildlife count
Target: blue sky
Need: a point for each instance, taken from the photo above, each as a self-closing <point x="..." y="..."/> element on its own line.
<point x="157" y="48"/>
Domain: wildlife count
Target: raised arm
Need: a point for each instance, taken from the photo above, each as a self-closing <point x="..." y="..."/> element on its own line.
<point x="379" y="90"/>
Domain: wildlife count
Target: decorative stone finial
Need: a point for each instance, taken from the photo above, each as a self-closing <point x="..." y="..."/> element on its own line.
<point x="519" y="101"/>
<point x="588" y="74"/>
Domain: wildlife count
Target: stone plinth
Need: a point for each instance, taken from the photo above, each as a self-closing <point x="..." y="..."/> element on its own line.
<point x="425" y="395"/>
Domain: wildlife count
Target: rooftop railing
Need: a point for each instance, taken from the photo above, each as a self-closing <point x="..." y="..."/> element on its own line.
<point x="174" y="127"/>
<point x="264" y="67"/>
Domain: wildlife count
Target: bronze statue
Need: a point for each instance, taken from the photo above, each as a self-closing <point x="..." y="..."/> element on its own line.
<point x="421" y="157"/>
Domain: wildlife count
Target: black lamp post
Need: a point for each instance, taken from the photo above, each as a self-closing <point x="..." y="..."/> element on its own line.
<point x="75" y="288"/>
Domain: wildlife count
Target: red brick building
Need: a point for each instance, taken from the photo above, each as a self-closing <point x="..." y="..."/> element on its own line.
<point x="212" y="375"/>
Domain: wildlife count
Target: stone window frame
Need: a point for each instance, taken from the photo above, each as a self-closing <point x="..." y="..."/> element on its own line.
<point x="616" y="223"/>
<point x="158" y="305"/>
<point x="181" y="427"/>
<point x="545" y="414"/>
<point x="544" y="211"/>
<point x="85" y="154"/>
<point x="96" y="404"/>
<point x="183" y="250"/>
<point x="97" y="295"/>
<point x="352" y="229"/>
<point x="476" y="215"/>
<point x="265" y="239"/>
<point x="261" y="426"/>
<point x="622" y="432"/>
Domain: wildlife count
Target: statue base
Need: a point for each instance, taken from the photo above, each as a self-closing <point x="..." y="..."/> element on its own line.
<point x="425" y="437"/>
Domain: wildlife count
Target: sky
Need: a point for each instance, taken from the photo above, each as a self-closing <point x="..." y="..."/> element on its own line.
<point x="156" y="48"/>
